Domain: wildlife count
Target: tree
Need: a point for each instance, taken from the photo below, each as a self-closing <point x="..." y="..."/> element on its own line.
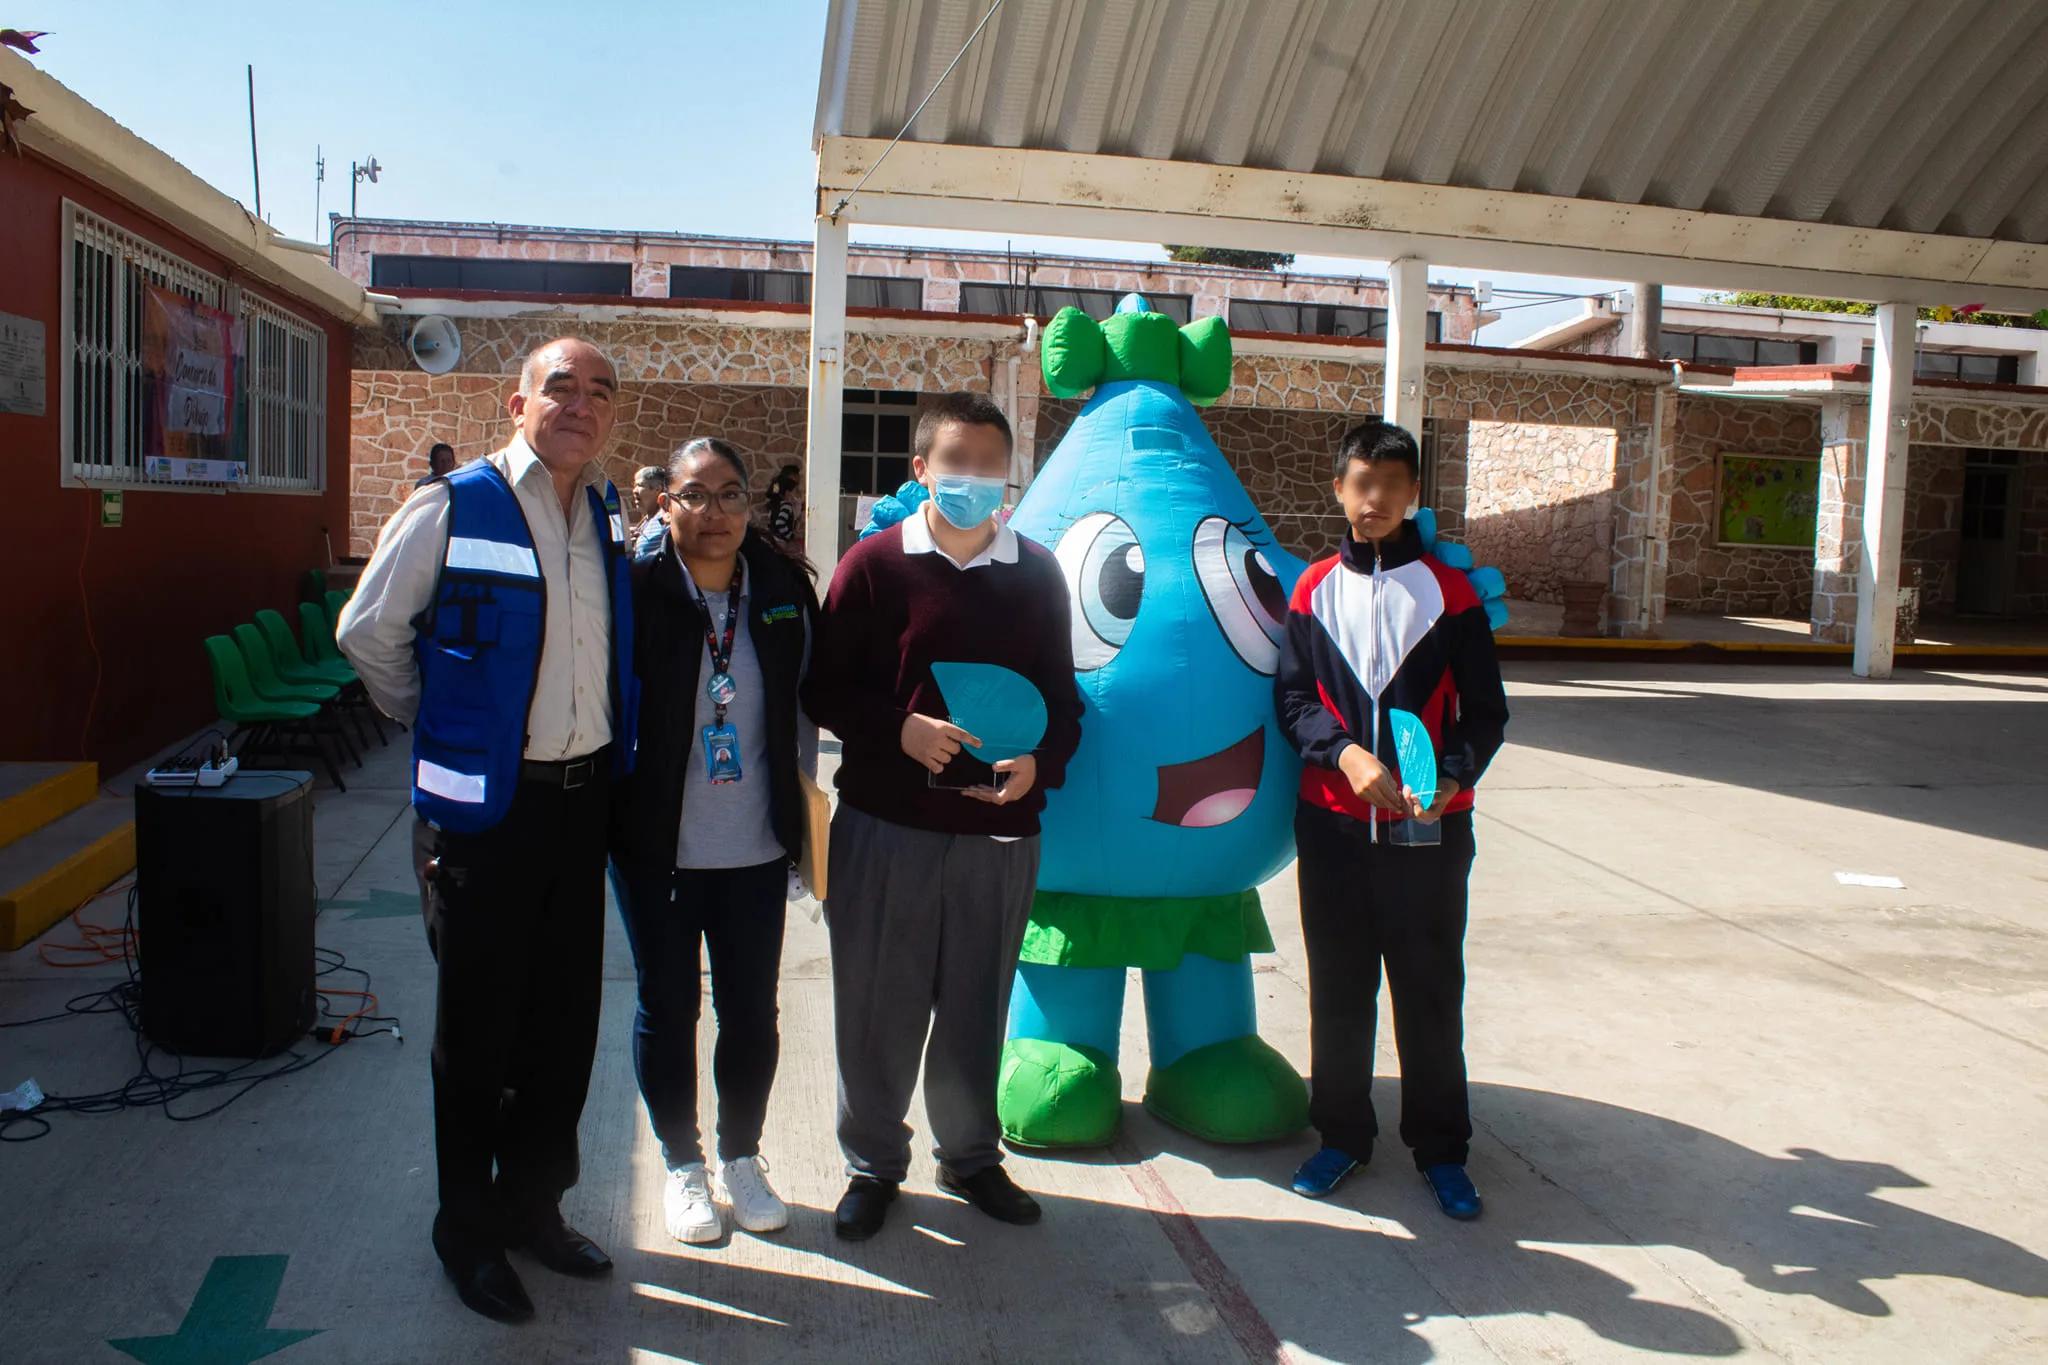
<point x="1797" y="303"/>
<point x="1223" y="255"/>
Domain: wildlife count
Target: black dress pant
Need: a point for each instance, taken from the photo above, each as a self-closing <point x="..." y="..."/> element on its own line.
<point x="672" y="915"/>
<point x="1363" y="904"/>
<point x="515" y="919"/>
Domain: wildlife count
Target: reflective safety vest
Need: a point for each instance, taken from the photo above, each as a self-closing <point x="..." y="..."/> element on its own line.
<point x="478" y="645"/>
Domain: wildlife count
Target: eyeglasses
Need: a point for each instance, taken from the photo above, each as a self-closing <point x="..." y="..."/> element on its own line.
<point x="730" y="500"/>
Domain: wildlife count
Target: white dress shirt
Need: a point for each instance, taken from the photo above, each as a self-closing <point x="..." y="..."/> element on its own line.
<point x="571" y="712"/>
<point x="918" y="540"/>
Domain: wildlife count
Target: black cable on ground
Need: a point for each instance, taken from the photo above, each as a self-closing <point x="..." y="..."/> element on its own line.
<point x="151" y="1088"/>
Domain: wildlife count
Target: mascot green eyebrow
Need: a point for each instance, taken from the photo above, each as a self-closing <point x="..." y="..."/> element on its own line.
<point x="1181" y="798"/>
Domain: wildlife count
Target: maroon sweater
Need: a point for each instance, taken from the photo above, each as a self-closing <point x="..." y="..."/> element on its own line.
<point x="887" y="619"/>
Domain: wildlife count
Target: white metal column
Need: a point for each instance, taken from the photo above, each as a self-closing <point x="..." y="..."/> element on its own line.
<point x="1646" y="321"/>
<point x="1407" y="330"/>
<point x="828" y="378"/>
<point x="1884" y="492"/>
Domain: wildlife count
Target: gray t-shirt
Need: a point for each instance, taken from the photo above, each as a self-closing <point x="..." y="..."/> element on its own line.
<point x="731" y="824"/>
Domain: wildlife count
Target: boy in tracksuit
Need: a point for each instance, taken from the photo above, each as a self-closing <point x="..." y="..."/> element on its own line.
<point x="1378" y="626"/>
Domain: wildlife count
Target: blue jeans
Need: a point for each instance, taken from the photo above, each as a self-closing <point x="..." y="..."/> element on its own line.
<point x="737" y="912"/>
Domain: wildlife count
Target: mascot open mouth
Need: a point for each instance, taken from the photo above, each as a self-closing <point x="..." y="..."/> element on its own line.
<point x="1206" y="792"/>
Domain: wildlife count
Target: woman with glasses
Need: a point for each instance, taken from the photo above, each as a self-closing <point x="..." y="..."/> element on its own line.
<point x="708" y="824"/>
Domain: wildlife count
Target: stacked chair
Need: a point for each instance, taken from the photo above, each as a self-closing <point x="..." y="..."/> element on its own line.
<point x="284" y="694"/>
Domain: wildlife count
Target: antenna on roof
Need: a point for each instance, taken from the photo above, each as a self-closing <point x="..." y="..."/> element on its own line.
<point x="359" y="171"/>
<point x="255" y="166"/>
<point x="319" y="180"/>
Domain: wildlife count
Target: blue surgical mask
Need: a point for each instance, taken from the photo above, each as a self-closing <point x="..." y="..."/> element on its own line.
<point x="965" y="499"/>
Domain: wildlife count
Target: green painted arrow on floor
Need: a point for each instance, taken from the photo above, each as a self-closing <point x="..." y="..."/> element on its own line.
<point x="377" y="905"/>
<point x="225" y="1325"/>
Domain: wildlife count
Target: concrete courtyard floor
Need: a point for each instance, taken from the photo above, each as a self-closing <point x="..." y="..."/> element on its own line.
<point x="1726" y="1106"/>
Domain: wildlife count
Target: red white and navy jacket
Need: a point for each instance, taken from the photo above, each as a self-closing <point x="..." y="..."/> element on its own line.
<point x="1369" y="631"/>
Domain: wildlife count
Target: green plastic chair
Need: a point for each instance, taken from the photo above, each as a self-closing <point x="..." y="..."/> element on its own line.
<point x="336" y="600"/>
<point x="263" y="672"/>
<point x="292" y="666"/>
<point x="261" y="718"/>
<point x="316" y="628"/>
<point x="235" y="695"/>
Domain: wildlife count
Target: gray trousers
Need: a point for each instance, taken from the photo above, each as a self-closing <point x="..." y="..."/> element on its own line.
<point x="925" y="934"/>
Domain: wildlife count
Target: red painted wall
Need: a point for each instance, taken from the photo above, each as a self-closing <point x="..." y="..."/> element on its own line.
<point x="181" y="566"/>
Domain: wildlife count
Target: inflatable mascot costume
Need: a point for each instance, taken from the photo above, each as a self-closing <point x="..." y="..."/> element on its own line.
<point x="1181" y="798"/>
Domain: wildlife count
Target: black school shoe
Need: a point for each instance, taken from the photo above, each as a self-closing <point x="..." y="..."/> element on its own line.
<point x="993" y="1192"/>
<point x="863" y="1208"/>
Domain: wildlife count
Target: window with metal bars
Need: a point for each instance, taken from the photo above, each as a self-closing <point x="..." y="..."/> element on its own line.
<point x="280" y="391"/>
<point x="283" y="394"/>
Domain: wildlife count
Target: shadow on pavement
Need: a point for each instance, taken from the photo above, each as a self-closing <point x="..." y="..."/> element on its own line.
<point x="1560" y="1173"/>
<point x="1966" y="765"/>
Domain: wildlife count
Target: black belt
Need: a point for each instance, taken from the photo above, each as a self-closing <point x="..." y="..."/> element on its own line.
<point x="566" y="774"/>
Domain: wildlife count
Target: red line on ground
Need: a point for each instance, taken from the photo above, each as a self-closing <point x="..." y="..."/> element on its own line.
<point x="1212" y="1274"/>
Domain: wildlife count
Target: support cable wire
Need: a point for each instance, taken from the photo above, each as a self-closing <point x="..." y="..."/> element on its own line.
<point x="847" y="198"/>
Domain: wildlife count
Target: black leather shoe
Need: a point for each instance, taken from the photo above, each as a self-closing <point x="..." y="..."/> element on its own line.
<point x="993" y="1192"/>
<point x="863" y="1208"/>
<point x="561" y="1248"/>
<point x="490" y="1286"/>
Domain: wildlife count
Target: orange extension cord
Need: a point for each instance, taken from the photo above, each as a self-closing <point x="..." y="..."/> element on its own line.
<point x="99" y="944"/>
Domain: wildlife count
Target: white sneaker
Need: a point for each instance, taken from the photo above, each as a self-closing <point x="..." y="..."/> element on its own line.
<point x="755" y="1206"/>
<point x="691" y="1215"/>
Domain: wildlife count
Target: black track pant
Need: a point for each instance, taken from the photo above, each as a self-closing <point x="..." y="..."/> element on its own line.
<point x="1363" y="904"/>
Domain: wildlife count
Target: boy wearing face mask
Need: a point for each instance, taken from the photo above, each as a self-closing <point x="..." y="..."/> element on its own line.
<point x="930" y="879"/>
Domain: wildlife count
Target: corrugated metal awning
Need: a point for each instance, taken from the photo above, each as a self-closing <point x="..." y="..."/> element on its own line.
<point x="1878" y="149"/>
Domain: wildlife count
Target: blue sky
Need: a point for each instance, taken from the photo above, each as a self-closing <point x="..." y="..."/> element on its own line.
<point x="688" y="116"/>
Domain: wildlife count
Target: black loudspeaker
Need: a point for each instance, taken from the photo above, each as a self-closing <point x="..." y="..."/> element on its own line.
<point x="224" y="913"/>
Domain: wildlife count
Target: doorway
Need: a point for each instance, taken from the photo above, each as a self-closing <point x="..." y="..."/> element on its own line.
<point x="876" y="427"/>
<point x="1989" y="556"/>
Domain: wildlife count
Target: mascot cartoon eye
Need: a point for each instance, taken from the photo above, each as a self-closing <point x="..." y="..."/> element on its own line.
<point x="1105" y="571"/>
<point x="1243" y="591"/>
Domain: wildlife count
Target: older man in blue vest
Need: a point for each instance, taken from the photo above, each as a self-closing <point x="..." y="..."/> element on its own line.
<point x="496" y="619"/>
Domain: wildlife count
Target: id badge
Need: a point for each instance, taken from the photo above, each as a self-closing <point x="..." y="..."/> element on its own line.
<point x="722" y="753"/>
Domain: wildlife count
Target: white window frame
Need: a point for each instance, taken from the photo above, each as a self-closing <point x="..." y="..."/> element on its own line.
<point x="111" y="372"/>
<point x="287" y="422"/>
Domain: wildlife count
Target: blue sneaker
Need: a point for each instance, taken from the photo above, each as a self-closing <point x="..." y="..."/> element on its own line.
<point x="1454" y="1191"/>
<point x="1322" y="1173"/>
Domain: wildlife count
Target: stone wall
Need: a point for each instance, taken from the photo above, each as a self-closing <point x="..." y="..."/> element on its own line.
<point x="1838" y="548"/>
<point x="1539" y="504"/>
<point x="1703" y="575"/>
<point x="398" y="415"/>
<point x="1933" y="538"/>
<point x="681" y="375"/>
<point x="689" y="346"/>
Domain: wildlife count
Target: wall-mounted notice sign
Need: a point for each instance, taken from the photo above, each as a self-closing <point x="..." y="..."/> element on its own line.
<point x="24" y="375"/>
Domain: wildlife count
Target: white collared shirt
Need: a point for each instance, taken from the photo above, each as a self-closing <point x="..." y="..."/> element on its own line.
<point x="917" y="540"/>
<point x="571" y="713"/>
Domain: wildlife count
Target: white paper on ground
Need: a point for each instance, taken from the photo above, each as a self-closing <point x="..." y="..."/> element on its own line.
<point x="1869" y="879"/>
<point x="24" y="1097"/>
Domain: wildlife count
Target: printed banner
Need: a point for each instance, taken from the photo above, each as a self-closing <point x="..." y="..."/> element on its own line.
<point x="188" y="361"/>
